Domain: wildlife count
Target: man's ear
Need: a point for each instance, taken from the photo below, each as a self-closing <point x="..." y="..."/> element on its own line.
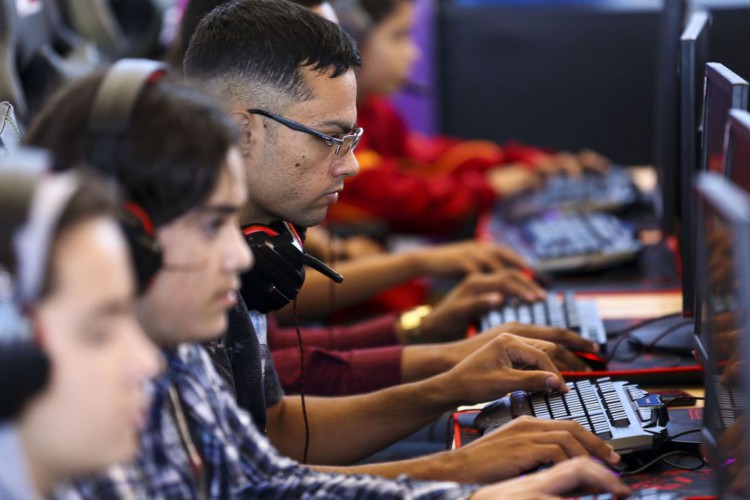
<point x="249" y="128"/>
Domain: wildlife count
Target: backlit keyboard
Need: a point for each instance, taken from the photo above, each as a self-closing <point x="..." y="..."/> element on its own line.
<point x="580" y="316"/>
<point x="619" y="413"/>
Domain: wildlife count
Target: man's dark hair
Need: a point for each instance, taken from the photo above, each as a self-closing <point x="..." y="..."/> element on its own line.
<point x="169" y="160"/>
<point x="255" y="50"/>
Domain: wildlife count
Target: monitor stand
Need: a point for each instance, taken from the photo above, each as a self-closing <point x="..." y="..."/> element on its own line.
<point x="673" y="335"/>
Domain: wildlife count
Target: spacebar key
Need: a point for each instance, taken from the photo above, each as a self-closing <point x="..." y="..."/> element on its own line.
<point x="519" y="404"/>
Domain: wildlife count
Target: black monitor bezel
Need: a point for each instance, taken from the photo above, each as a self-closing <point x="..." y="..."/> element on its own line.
<point x="693" y="46"/>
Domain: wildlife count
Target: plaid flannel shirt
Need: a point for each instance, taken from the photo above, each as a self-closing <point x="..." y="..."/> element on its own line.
<point x="239" y="462"/>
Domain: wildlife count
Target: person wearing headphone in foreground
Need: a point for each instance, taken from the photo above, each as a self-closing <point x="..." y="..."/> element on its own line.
<point x="73" y="359"/>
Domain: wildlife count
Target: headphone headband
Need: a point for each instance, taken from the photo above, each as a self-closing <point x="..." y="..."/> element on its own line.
<point x="34" y="203"/>
<point x="115" y="102"/>
<point x="110" y="118"/>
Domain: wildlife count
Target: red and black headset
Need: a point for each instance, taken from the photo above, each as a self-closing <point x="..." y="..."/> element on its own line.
<point x="111" y="114"/>
<point x="279" y="270"/>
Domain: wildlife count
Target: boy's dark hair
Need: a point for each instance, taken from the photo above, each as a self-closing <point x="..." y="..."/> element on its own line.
<point x="169" y="160"/>
<point x="253" y="51"/>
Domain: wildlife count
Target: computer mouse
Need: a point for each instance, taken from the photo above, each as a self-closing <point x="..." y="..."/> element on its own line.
<point x="594" y="361"/>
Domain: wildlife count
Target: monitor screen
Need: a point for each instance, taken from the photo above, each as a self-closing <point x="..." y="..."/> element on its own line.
<point x="666" y="118"/>
<point x="737" y="160"/>
<point x="724" y="272"/>
<point x="724" y="90"/>
<point x="693" y="59"/>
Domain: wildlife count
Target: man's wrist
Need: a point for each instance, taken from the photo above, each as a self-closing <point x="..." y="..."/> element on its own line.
<point x="409" y="325"/>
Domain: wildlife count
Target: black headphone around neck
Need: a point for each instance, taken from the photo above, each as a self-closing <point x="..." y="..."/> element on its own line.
<point x="111" y="115"/>
<point x="279" y="272"/>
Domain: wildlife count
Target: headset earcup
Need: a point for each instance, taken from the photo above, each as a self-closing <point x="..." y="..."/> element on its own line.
<point x="24" y="371"/>
<point x="278" y="274"/>
<point x="147" y="257"/>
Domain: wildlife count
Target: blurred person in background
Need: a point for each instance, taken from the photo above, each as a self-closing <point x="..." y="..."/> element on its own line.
<point x="418" y="184"/>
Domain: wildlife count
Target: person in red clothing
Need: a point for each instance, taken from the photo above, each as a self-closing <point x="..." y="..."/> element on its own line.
<point x="417" y="184"/>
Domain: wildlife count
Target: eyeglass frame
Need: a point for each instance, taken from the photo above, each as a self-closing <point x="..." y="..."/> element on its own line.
<point x="353" y="137"/>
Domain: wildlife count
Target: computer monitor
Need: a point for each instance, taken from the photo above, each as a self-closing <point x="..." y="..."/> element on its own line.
<point x="724" y="274"/>
<point x="693" y="59"/>
<point x="723" y="90"/>
<point x="666" y="118"/>
<point x="737" y="157"/>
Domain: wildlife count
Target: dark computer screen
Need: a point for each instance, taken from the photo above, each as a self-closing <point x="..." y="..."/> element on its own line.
<point x="724" y="274"/>
<point x="737" y="158"/>
<point x="693" y="59"/>
<point x="724" y="90"/>
<point x="667" y="118"/>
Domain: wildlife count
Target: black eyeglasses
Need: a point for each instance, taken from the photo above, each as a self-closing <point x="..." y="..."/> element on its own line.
<point x="343" y="145"/>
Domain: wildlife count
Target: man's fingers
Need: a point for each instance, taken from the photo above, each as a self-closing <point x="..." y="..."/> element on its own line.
<point x="536" y="380"/>
<point x="579" y="473"/>
<point x="590" y="443"/>
<point x="510" y="257"/>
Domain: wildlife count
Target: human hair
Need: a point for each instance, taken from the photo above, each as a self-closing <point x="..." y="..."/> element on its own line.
<point x="24" y="367"/>
<point x="169" y="159"/>
<point x="360" y="17"/>
<point x="378" y="10"/>
<point x="254" y="51"/>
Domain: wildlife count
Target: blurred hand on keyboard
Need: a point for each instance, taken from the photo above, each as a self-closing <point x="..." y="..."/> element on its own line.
<point x="458" y="259"/>
<point x="578" y="473"/>
<point x="470" y="299"/>
<point x="512" y="180"/>
<point x="573" y="165"/>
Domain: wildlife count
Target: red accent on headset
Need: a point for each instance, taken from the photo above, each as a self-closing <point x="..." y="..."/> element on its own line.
<point x="156" y="76"/>
<point x="248" y="230"/>
<point x="142" y="216"/>
<point x="294" y="232"/>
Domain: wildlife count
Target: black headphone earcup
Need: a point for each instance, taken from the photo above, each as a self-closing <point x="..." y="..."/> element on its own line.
<point x="278" y="274"/>
<point x="147" y="257"/>
<point x="24" y="371"/>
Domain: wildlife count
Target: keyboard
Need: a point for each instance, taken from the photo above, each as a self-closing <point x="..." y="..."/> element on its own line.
<point x="646" y="494"/>
<point x="580" y="316"/>
<point x="589" y="192"/>
<point x="619" y="413"/>
<point x="566" y="242"/>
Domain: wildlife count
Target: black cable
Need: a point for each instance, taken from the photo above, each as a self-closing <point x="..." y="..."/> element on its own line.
<point x="641" y="324"/>
<point x="663" y="457"/>
<point x="302" y="381"/>
<point x="683" y="433"/>
<point x="683" y="398"/>
<point x="637" y="344"/>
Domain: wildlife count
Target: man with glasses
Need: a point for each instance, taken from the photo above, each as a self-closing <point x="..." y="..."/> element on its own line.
<point x="287" y="78"/>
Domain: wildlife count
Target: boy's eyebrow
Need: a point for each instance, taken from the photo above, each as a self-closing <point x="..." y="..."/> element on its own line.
<point x="111" y="308"/>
